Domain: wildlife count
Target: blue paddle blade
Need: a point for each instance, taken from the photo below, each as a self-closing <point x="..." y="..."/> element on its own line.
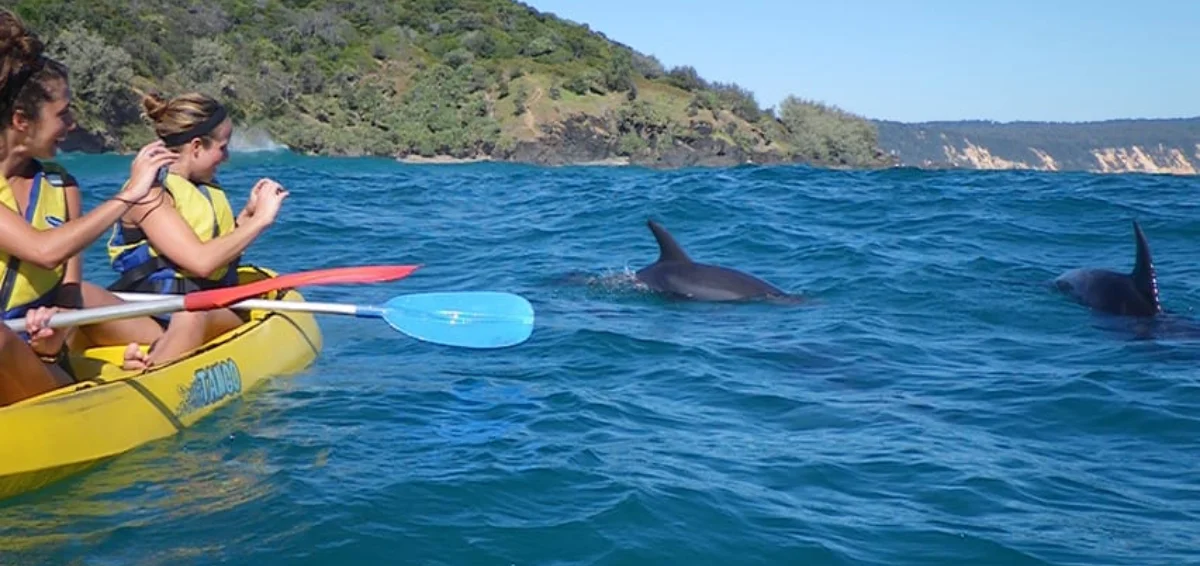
<point x="471" y="319"/>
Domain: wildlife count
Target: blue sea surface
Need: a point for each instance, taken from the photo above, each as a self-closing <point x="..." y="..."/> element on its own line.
<point x="933" y="402"/>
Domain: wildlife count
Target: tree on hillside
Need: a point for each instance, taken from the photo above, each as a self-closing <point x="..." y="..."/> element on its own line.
<point x="827" y="133"/>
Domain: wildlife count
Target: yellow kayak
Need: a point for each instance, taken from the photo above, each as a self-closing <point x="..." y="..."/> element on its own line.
<point x="111" y="411"/>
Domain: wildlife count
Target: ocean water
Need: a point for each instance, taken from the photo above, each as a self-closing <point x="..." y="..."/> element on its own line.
<point x="933" y="402"/>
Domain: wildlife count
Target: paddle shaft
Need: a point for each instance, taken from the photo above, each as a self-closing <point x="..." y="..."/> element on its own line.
<point x="105" y="314"/>
<point x="265" y="304"/>
<point x="220" y="297"/>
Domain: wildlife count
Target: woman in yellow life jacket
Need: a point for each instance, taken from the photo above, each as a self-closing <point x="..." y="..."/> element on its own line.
<point x="185" y="237"/>
<point x="41" y="229"/>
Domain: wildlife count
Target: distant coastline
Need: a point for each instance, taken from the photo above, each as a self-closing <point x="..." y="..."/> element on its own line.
<point x="1160" y="146"/>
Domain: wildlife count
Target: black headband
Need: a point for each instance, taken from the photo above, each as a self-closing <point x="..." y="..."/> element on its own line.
<point x="203" y="128"/>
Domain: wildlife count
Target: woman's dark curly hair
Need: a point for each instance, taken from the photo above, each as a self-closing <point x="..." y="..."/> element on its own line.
<point x="26" y="73"/>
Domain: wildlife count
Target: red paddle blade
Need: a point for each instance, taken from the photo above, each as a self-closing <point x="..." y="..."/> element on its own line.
<point x="217" y="298"/>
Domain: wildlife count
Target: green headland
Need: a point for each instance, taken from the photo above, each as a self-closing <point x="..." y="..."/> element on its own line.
<point x="433" y="79"/>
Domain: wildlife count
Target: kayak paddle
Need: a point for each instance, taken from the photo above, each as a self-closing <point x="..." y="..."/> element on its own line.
<point x="468" y="319"/>
<point x="217" y="298"/>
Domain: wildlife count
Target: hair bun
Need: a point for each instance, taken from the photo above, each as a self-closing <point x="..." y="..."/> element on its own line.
<point x="19" y="49"/>
<point x="154" y="105"/>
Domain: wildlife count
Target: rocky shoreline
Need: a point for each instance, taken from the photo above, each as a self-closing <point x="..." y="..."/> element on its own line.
<point x="590" y="140"/>
<point x="580" y="140"/>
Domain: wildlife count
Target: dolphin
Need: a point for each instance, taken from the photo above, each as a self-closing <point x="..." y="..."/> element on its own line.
<point x="1127" y="294"/>
<point x="676" y="275"/>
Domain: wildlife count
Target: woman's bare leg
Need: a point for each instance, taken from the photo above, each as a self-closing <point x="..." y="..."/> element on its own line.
<point x="141" y="330"/>
<point x="22" y="373"/>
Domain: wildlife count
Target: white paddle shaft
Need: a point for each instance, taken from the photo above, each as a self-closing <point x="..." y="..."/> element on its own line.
<point x="261" y="304"/>
<point x="157" y="305"/>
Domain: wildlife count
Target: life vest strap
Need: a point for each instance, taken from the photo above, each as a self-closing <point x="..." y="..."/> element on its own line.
<point x="131" y="279"/>
<point x="135" y="279"/>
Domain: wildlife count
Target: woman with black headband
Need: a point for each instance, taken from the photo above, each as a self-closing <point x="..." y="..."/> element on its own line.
<point x="185" y="237"/>
<point x="41" y="229"/>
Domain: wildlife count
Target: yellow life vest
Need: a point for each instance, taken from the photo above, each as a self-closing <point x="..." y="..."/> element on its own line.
<point x="206" y="210"/>
<point x="24" y="285"/>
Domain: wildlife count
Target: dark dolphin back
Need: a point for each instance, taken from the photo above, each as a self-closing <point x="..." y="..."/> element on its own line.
<point x="668" y="248"/>
<point x="1145" y="280"/>
<point x="676" y="274"/>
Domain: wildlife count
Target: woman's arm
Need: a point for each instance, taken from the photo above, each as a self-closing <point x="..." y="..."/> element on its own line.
<point x="49" y="249"/>
<point x="170" y="234"/>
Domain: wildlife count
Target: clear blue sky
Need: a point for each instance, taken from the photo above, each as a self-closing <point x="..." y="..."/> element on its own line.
<point x="918" y="60"/>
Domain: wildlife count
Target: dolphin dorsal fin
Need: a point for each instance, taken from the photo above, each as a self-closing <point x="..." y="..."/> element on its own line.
<point x="1144" y="276"/>
<point x="668" y="249"/>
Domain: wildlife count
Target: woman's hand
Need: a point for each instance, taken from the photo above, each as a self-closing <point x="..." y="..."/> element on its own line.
<point x="252" y="202"/>
<point x="144" y="171"/>
<point x="265" y="200"/>
<point x="42" y="339"/>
